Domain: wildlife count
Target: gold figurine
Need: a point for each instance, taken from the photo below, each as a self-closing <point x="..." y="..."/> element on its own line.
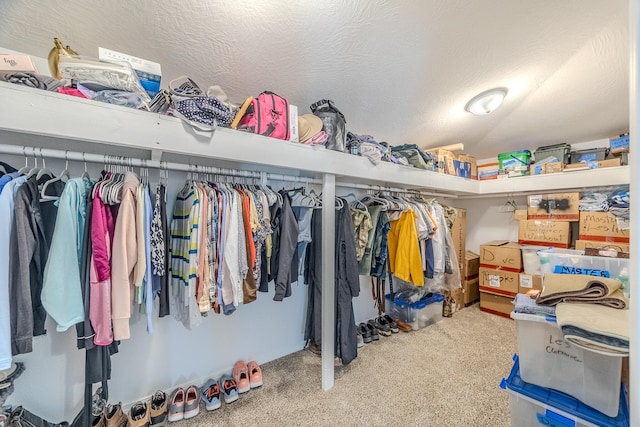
<point x="54" y="56"/>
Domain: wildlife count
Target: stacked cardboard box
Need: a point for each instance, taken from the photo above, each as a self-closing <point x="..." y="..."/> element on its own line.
<point x="602" y="230"/>
<point x="470" y="278"/>
<point x="500" y="267"/>
<point x="450" y="163"/>
<point x="549" y="218"/>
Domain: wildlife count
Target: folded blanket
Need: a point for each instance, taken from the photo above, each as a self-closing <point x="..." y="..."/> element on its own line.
<point x="526" y="304"/>
<point x="595" y="327"/>
<point x="581" y="288"/>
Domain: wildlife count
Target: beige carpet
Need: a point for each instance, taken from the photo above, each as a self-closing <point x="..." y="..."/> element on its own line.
<point x="447" y="374"/>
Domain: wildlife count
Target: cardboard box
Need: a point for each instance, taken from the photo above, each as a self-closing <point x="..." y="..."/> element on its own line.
<point x="528" y="282"/>
<point x="471" y="266"/>
<point x="456" y="297"/>
<point x="520" y="214"/>
<point x="11" y="63"/>
<point x="607" y="246"/>
<point x="546" y="168"/>
<point x="619" y="143"/>
<point x="488" y="170"/>
<point x="501" y="254"/>
<point x="495" y="304"/>
<point x="470" y="166"/>
<point x="445" y="161"/>
<point x="499" y="282"/>
<point x="545" y="233"/>
<point x="603" y="227"/>
<point x="471" y="291"/>
<point x="560" y="206"/>
<point x="459" y="236"/>
<point x="611" y="163"/>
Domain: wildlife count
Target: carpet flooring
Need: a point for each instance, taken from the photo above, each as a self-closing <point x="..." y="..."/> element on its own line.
<point x="447" y="374"/>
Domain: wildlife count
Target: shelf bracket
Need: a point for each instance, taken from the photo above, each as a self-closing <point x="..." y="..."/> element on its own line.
<point x="156" y="155"/>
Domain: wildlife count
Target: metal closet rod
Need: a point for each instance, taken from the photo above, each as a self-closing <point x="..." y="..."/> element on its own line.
<point x="38" y="152"/>
<point x="394" y="189"/>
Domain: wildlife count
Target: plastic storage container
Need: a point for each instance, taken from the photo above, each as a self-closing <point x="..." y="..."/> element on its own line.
<point x="515" y="163"/>
<point x="562" y="152"/>
<point x="533" y="406"/>
<point x="547" y="360"/>
<point x="530" y="259"/>
<point x="424" y="312"/>
<point x="589" y="155"/>
<point x="567" y="261"/>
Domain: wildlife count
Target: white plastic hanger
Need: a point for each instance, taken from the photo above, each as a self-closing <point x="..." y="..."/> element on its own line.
<point x="64" y="176"/>
<point x="44" y="171"/>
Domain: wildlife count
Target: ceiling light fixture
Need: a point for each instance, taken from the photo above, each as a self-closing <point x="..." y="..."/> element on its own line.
<point x="486" y="102"/>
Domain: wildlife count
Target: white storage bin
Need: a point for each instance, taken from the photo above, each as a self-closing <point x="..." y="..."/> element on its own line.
<point x="547" y="360"/>
<point x="533" y="406"/>
<point x="530" y="259"/>
<point x="567" y="261"/>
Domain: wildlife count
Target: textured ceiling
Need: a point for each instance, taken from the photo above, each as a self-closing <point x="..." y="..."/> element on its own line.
<point x="401" y="71"/>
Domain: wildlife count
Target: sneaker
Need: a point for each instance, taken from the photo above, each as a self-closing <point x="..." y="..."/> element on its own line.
<point x="372" y="330"/>
<point x="228" y="388"/>
<point x="383" y="328"/>
<point x="97" y="422"/>
<point x="241" y="375"/>
<point x="114" y="416"/>
<point x="191" y="402"/>
<point x="211" y="395"/>
<point x="364" y="331"/>
<point x="360" y="340"/>
<point x="403" y="326"/>
<point x="176" y="405"/>
<point x="139" y="415"/>
<point x="159" y="404"/>
<point x="255" y="374"/>
<point x="392" y="324"/>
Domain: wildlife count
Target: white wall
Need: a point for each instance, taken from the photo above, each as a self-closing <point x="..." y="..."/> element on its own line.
<point x="172" y="356"/>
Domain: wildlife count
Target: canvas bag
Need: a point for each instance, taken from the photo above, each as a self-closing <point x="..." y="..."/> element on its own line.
<point x="334" y="124"/>
<point x="267" y="115"/>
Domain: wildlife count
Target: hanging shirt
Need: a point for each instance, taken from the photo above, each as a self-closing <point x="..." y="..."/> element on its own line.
<point x="404" y="252"/>
<point x="148" y="276"/>
<point x="7" y="194"/>
<point x="62" y="290"/>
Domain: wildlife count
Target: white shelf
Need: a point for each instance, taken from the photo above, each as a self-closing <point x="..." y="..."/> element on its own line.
<point x="35" y="112"/>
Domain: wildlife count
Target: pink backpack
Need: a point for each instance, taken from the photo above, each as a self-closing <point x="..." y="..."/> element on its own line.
<point x="267" y="115"/>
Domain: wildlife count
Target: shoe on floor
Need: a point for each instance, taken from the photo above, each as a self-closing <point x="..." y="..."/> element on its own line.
<point x="191" y="402"/>
<point x="382" y="325"/>
<point x="211" y="395"/>
<point x="403" y="326"/>
<point x="393" y="326"/>
<point x="114" y="416"/>
<point x="159" y="404"/>
<point x="176" y="405"/>
<point x="99" y="421"/>
<point x="139" y="415"/>
<point x="255" y="374"/>
<point x="373" y="331"/>
<point x="359" y="339"/>
<point x="315" y="348"/>
<point x="228" y="388"/>
<point x="364" y="331"/>
<point x="241" y="375"/>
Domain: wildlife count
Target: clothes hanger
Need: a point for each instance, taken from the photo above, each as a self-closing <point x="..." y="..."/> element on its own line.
<point x="63" y="176"/>
<point x="85" y="174"/>
<point x="44" y="171"/>
<point x="34" y="171"/>
<point x="25" y="169"/>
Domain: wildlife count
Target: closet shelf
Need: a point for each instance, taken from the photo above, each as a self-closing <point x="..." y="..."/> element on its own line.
<point x="61" y="117"/>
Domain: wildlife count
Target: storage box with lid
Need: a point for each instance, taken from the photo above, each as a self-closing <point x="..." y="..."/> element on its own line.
<point x="589" y="155"/>
<point x="514" y="163"/>
<point x="561" y="152"/>
<point x="534" y="406"/>
<point x="548" y="360"/>
<point x="423" y="312"/>
<point x="569" y="261"/>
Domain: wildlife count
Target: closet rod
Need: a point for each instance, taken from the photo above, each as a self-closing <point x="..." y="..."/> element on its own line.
<point x="393" y="189"/>
<point x="38" y="152"/>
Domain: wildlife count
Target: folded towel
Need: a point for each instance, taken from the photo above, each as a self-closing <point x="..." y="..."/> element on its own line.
<point x="581" y="288"/>
<point x="526" y="304"/>
<point x="595" y="327"/>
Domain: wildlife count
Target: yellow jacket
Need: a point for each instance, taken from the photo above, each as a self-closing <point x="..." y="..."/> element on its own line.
<point x="404" y="249"/>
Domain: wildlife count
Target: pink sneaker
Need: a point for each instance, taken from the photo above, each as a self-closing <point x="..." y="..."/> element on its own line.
<point x="241" y="376"/>
<point x="255" y="374"/>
